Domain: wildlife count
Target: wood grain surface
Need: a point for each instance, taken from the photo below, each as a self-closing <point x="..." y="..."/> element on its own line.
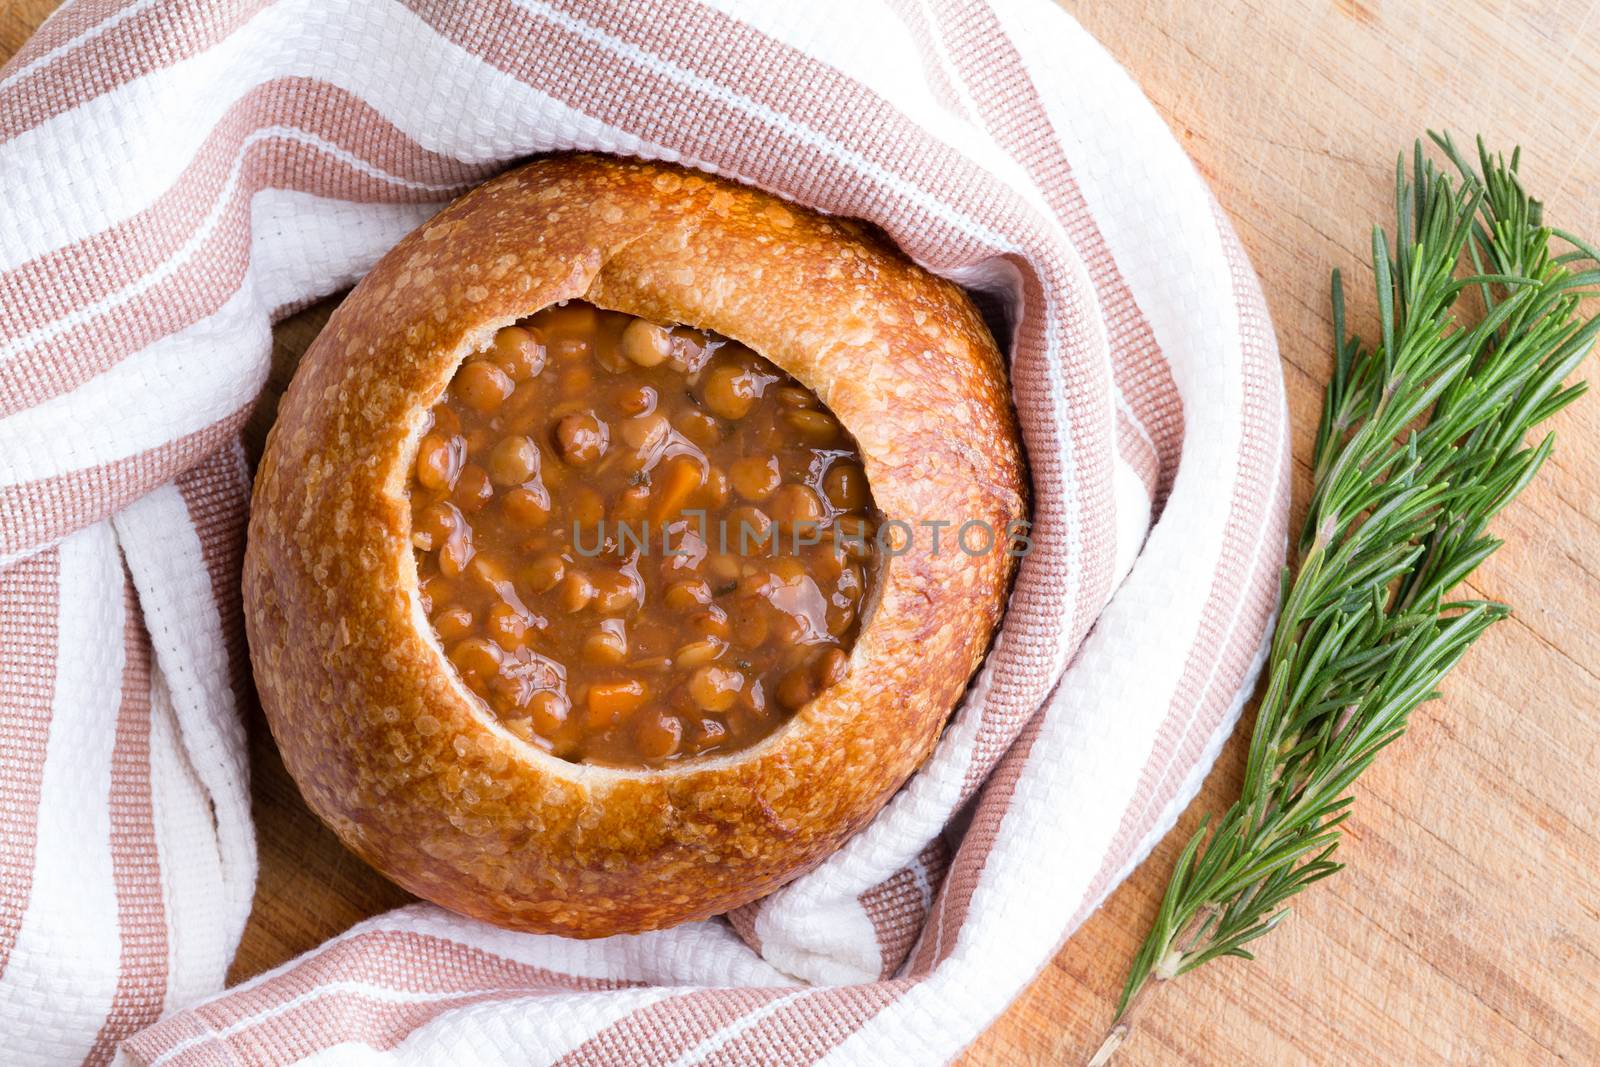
<point x="1466" y="929"/>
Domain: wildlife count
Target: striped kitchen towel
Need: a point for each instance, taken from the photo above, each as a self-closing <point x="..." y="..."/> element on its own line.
<point x="175" y="175"/>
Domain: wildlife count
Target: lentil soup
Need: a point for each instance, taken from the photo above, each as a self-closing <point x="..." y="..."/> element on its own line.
<point x="638" y="542"/>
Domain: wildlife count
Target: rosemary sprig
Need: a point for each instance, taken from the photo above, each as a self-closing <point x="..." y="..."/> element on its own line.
<point x="1421" y="443"/>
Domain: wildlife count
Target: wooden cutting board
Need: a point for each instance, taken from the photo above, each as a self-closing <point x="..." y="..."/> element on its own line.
<point x="1467" y="927"/>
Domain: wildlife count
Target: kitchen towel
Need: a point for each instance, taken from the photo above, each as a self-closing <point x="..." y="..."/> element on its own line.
<point x="176" y="175"/>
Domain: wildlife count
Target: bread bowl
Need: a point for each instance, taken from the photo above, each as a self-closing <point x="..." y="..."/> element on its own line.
<point x="409" y="754"/>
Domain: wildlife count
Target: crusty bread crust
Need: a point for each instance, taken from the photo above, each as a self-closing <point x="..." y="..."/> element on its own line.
<point x="387" y="744"/>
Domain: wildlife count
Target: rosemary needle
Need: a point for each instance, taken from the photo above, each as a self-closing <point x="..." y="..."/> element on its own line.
<point x="1421" y="443"/>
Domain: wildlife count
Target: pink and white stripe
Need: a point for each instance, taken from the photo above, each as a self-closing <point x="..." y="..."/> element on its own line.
<point x="179" y="173"/>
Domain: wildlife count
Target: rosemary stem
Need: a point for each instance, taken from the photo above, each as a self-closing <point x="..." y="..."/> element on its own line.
<point x="1422" y="441"/>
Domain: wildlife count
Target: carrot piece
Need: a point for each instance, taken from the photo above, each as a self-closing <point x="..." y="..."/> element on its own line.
<point x="609" y="701"/>
<point x="682" y="477"/>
